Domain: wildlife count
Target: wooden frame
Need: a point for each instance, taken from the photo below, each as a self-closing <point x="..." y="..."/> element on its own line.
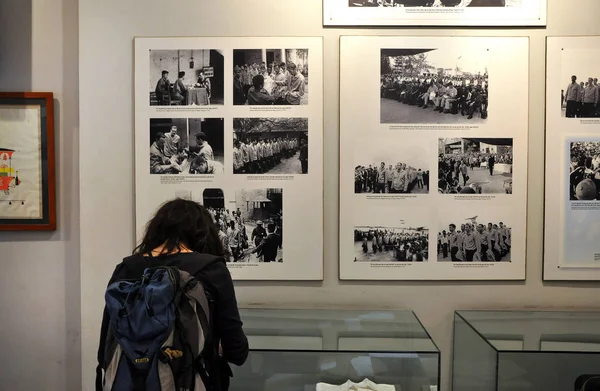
<point x="32" y="187"/>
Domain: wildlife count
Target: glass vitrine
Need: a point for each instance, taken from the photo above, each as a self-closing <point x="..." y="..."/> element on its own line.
<point x="525" y="350"/>
<point x="306" y="350"/>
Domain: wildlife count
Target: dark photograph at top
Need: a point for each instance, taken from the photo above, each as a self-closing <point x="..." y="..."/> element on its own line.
<point x="435" y="3"/>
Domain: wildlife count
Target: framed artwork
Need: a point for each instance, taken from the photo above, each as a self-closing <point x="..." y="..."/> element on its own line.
<point x="27" y="178"/>
<point x="434" y="12"/>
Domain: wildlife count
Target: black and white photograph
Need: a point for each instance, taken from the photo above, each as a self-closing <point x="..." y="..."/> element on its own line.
<point x="182" y="146"/>
<point x="475" y="166"/>
<point x="473" y="237"/>
<point x="187" y="77"/>
<point x="584" y="171"/>
<point x="273" y="146"/>
<point x="580" y="92"/>
<point x="435" y="3"/>
<point x="253" y="232"/>
<point x="434" y="86"/>
<point x="404" y="243"/>
<point x="391" y="166"/>
<point x="270" y="77"/>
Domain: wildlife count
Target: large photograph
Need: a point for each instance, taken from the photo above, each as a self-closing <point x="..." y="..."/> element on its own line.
<point x="434" y="3"/>
<point x="404" y="243"/>
<point x="434" y="86"/>
<point x="182" y="146"/>
<point x="270" y="146"/>
<point x="475" y="166"/>
<point x="480" y="237"/>
<point x="584" y="171"/>
<point x="186" y="77"/>
<point x="394" y="166"/>
<point x="580" y="93"/>
<point x="270" y="77"/>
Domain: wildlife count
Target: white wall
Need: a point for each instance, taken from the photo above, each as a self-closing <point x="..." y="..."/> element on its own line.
<point x="40" y="313"/>
<point x="107" y="30"/>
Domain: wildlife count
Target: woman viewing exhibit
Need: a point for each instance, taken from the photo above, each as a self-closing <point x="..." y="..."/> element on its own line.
<point x="181" y="236"/>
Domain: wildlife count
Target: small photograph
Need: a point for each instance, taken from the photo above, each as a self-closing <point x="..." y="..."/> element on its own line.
<point x="391" y="166"/>
<point x="435" y="3"/>
<point x="584" y="171"/>
<point x="274" y="146"/>
<point x="404" y="243"/>
<point x="434" y="86"/>
<point x="475" y="166"/>
<point x="169" y="146"/>
<point x="255" y="228"/>
<point x="466" y="237"/>
<point x="186" y="77"/>
<point x="206" y="152"/>
<point x="270" y="77"/>
<point x="579" y="72"/>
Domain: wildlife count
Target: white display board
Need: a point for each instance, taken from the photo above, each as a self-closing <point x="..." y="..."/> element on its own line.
<point x="449" y="165"/>
<point x="203" y="132"/>
<point x="434" y="12"/>
<point x="572" y="228"/>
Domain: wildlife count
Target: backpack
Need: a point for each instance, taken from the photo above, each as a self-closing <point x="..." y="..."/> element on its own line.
<point x="158" y="328"/>
<point x="587" y="383"/>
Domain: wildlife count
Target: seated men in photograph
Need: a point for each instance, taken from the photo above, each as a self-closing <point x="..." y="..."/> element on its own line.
<point x="295" y="85"/>
<point x="202" y="166"/>
<point x="163" y="90"/>
<point x="179" y="89"/>
<point x="257" y="95"/>
<point x="203" y="82"/>
<point x="451" y="96"/>
<point x="430" y="95"/>
<point x="159" y="162"/>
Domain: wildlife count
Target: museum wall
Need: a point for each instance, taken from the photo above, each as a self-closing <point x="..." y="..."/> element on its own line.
<point x="107" y="30"/>
<point x="40" y="304"/>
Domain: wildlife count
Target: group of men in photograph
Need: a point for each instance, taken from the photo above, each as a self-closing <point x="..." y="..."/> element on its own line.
<point x="261" y="156"/>
<point x="448" y="95"/>
<point x="262" y="244"/>
<point x="453" y="169"/>
<point x="389" y="179"/>
<point x="581" y="99"/>
<point x="474" y="242"/>
<point x="584" y="174"/>
<point x="427" y="3"/>
<point x="406" y="247"/>
<point x="278" y="84"/>
<point x="168" y="93"/>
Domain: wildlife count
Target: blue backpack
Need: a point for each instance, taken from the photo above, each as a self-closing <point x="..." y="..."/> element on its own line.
<point x="158" y="328"/>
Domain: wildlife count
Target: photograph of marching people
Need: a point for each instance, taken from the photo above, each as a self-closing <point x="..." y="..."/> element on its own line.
<point x="580" y="92"/>
<point x="254" y="230"/>
<point x="391" y="165"/>
<point x="475" y="166"/>
<point x="404" y="243"/>
<point x="584" y="171"/>
<point x="480" y="236"/>
<point x="270" y="146"/>
<point x="434" y="3"/>
<point x="188" y="77"/>
<point x="206" y="145"/>
<point x="270" y="76"/>
<point x="435" y="86"/>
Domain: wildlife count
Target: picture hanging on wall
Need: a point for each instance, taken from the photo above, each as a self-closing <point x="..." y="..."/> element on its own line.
<point x="572" y="209"/>
<point x="27" y="177"/>
<point x="433" y="158"/>
<point x="434" y="12"/>
<point x="236" y="124"/>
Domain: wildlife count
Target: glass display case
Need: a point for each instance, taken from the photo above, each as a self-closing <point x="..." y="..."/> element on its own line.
<point x="526" y="350"/>
<point x="306" y="350"/>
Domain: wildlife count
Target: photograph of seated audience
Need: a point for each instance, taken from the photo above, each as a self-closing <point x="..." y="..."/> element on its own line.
<point x="384" y="244"/>
<point x="584" y="171"/>
<point x="270" y="77"/>
<point x="438" y="86"/>
<point x="186" y="77"/>
<point x="270" y="146"/>
<point x="475" y="166"/>
<point x="581" y="98"/>
<point x="434" y="3"/>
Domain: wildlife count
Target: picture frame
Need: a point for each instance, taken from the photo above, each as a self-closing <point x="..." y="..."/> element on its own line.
<point x="27" y="162"/>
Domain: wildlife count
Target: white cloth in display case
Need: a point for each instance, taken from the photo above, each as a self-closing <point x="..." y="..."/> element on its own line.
<point x="365" y="385"/>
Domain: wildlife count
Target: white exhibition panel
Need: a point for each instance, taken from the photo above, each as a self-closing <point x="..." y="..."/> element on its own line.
<point x="572" y="226"/>
<point x="374" y="129"/>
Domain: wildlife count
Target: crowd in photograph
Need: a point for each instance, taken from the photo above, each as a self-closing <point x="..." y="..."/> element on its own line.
<point x="263" y="241"/>
<point x="176" y="93"/>
<point x="581" y="98"/>
<point x="454" y="169"/>
<point x="447" y="95"/>
<point x="275" y="84"/>
<point x="260" y="156"/>
<point x="584" y="171"/>
<point x="474" y="242"/>
<point x="389" y="179"/>
<point x="406" y="246"/>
